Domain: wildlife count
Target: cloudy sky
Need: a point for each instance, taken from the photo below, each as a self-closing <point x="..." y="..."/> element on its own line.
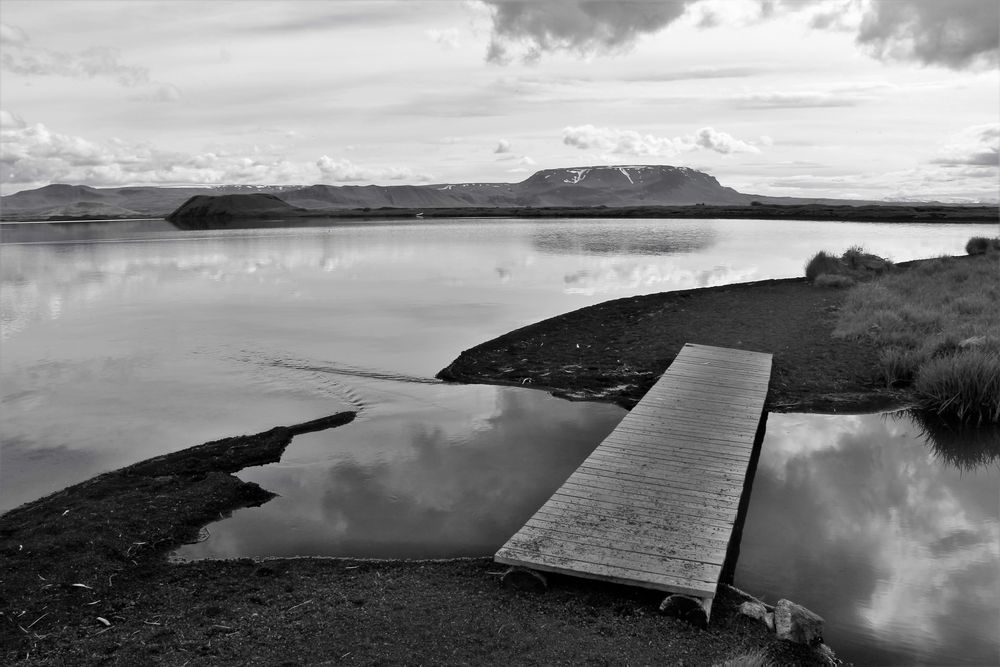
<point x="845" y="98"/>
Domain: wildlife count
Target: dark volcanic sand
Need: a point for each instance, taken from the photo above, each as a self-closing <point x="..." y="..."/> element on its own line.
<point x="616" y="350"/>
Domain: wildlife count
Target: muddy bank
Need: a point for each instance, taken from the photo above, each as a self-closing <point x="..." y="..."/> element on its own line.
<point x="616" y="350"/>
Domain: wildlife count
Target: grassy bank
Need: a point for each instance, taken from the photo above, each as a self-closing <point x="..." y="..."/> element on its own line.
<point x="936" y="326"/>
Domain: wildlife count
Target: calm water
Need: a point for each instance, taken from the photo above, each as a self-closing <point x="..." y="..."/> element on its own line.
<point x="125" y="340"/>
<point x="892" y="536"/>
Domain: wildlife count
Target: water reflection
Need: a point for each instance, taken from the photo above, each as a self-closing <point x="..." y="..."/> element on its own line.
<point x="641" y="237"/>
<point x="456" y="478"/>
<point x="962" y="446"/>
<point x="858" y="519"/>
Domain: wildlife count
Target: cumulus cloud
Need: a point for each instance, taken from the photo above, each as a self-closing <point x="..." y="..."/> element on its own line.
<point x="10" y="120"/>
<point x="579" y="26"/>
<point x="159" y="93"/>
<point x="503" y="146"/>
<point x="524" y="164"/>
<point x="344" y="170"/>
<point x="31" y="155"/>
<point x="629" y="142"/>
<point x="722" y="142"/>
<point x="12" y="36"/>
<point x="956" y="33"/>
<point x="446" y="38"/>
<point x="977" y="146"/>
<point x="21" y="57"/>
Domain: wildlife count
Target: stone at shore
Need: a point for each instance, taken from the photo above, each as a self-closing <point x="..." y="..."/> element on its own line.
<point x="757" y="611"/>
<point x="685" y="608"/>
<point x="796" y="623"/>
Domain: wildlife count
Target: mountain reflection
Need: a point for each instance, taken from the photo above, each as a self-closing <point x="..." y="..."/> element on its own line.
<point x="433" y="494"/>
<point x="634" y="237"/>
<point x="856" y="518"/>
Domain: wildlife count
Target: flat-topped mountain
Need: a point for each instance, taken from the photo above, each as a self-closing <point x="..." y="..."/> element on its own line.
<point x="639" y="185"/>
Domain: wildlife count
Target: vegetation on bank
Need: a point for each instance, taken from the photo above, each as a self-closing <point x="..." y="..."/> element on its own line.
<point x="937" y="329"/>
<point x="853" y="266"/>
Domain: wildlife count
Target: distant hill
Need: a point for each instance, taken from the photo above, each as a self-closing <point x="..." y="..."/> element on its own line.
<point x="75" y="202"/>
<point x="577" y="187"/>
<point x="221" y="208"/>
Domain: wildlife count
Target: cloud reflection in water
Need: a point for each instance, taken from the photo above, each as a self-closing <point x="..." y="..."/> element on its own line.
<point x="856" y="518"/>
<point x="455" y="480"/>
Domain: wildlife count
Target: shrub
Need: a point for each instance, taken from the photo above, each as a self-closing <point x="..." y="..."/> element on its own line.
<point x="963" y="386"/>
<point x="980" y="245"/>
<point x="834" y="280"/>
<point x="855" y="263"/>
<point x="822" y="263"/>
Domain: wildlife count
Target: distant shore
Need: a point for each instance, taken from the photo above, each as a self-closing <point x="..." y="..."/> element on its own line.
<point x="891" y="213"/>
<point x="864" y="213"/>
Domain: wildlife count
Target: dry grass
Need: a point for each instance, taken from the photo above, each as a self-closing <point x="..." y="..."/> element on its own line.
<point x="938" y="329"/>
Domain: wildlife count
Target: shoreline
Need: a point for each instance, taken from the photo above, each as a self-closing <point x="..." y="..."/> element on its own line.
<point x="87" y="577"/>
<point x="888" y="213"/>
<point x="615" y="350"/>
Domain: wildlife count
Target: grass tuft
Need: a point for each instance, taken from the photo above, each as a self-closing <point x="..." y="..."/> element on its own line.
<point x="822" y="264"/>
<point x="965" y="385"/>
<point x="980" y="245"/>
<point x="937" y="327"/>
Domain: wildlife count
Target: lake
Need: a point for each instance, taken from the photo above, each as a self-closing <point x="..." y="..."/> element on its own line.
<point x="124" y="340"/>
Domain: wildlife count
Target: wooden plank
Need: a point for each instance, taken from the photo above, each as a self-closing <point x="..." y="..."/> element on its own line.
<point x="663" y="483"/>
<point x="632" y="544"/>
<point x="655" y="503"/>
<point x="721" y="450"/>
<point x="668" y="524"/>
<point x="700" y="502"/>
<point x="669" y="469"/>
<point x="612" y="525"/>
<point x="611" y="498"/>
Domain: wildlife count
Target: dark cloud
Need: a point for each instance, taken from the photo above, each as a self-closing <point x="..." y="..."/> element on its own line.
<point x="956" y="33"/>
<point x="581" y="26"/>
<point x="952" y="33"/>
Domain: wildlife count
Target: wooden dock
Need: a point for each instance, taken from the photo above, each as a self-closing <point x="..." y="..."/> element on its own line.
<point x="655" y="504"/>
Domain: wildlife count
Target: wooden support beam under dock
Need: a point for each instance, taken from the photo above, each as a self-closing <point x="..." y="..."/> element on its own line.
<point x="655" y="504"/>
